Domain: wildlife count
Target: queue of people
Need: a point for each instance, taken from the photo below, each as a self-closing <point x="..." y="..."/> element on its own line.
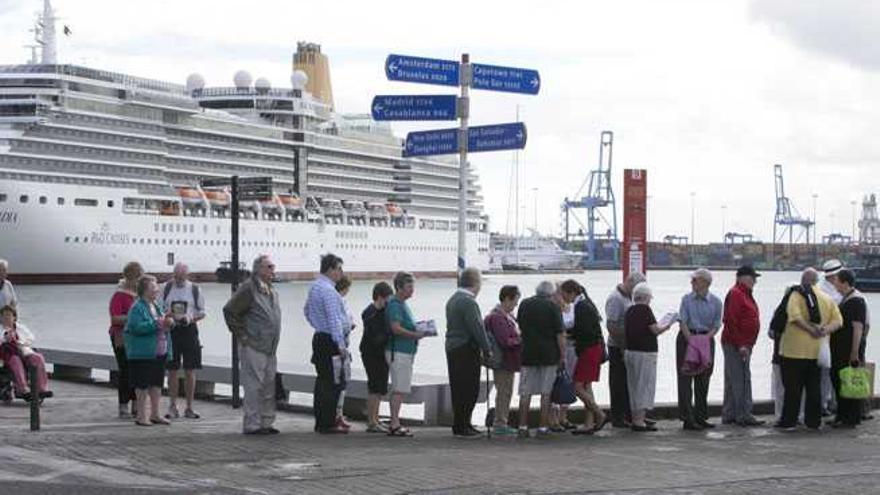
<point x="553" y="338"/>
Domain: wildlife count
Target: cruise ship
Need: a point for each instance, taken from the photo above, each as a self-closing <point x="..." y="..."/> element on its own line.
<point x="99" y="168"/>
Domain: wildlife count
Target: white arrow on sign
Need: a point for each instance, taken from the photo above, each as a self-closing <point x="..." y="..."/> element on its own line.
<point x="378" y="108"/>
<point x="392" y="66"/>
<point x="519" y="135"/>
<point x="535" y="82"/>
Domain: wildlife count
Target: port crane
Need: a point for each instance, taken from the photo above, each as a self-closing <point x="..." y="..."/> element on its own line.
<point x="787" y="217"/>
<point x="598" y="203"/>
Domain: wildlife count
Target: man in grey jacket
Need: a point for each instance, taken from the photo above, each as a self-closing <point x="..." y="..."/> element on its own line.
<point x="253" y="314"/>
<point x="465" y="338"/>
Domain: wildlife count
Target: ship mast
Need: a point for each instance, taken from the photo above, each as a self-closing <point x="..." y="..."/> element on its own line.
<point x="46" y="34"/>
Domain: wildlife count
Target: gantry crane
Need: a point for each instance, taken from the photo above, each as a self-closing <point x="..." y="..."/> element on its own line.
<point x="787" y="217"/>
<point x="599" y="203"/>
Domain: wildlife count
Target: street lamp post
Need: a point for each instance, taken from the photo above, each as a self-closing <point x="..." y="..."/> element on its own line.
<point x="693" y="237"/>
<point x="815" y="218"/>
<point x="723" y="222"/>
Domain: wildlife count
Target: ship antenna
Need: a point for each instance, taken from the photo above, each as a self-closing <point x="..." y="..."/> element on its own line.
<point x="46" y="34"/>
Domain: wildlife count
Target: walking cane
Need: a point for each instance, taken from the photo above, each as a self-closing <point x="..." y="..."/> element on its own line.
<point x="488" y="427"/>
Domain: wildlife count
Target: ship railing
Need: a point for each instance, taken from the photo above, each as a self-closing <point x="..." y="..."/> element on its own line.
<point x="431" y="392"/>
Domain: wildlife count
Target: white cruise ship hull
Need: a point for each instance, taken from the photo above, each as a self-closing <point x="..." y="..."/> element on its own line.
<point x="46" y="242"/>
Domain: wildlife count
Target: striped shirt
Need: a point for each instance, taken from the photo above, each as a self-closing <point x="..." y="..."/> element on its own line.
<point x="325" y="310"/>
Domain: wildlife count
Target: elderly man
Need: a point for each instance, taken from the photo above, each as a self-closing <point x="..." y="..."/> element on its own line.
<point x="7" y="291"/>
<point x="326" y="313"/>
<point x="615" y="309"/>
<point x="741" y="325"/>
<point x="543" y="351"/>
<point x="812" y="316"/>
<point x="700" y="313"/>
<point x="253" y="314"/>
<point x="465" y="338"/>
<point x="184" y="299"/>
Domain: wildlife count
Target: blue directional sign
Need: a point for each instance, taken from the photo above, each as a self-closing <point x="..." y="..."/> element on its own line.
<point x="482" y="138"/>
<point x="422" y="70"/>
<point x="497" y="137"/>
<point x="414" y="107"/>
<point x="509" y="79"/>
<point x="424" y="143"/>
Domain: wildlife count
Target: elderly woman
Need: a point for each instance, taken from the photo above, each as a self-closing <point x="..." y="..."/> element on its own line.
<point x="586" y="334"/>
<point x="121" y="302"/>
<point x="640" y="357"/>
<point x="147" y="348"/>
<point x="501" y="322"/>
<point x="401" y="348"/>
<point x="17" y="353"/>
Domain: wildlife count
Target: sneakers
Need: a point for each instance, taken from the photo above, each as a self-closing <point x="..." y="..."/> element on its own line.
<point x="190" y="414"/>
<point x="522" y="433"/>
<point x="504" y="431"/>
<point x="123" y="412"/>
<point x="172" y="413"/>
<point x="544" y="432"/>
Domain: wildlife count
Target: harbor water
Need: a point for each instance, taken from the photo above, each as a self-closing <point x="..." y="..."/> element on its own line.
<point x="75" y="317"/>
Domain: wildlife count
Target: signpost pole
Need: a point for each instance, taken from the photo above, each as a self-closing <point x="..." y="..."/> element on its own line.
<point x="233" y="213"/>
<point x="464" y="109"/>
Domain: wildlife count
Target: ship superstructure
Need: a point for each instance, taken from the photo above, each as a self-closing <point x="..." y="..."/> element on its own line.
<point x="98" y="168"/>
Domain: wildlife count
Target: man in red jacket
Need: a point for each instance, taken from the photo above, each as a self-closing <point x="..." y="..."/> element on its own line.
<point x="741" y="325"/>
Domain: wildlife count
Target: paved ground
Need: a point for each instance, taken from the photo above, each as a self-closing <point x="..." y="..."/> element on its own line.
<point x="84" y="449"/>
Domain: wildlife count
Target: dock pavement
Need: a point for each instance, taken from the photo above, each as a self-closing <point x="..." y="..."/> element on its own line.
<point x="83" y="448"/>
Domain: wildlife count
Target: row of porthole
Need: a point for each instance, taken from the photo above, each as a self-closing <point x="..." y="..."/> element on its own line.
<point x="24" y="198"/>
<point x="197" y="242"/>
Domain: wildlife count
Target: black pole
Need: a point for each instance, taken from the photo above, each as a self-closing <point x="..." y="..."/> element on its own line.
<point x="35" y="399"/>
<point x="233" y="212"/>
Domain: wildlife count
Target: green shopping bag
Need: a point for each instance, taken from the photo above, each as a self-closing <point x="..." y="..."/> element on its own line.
<point x="855" y="383"/>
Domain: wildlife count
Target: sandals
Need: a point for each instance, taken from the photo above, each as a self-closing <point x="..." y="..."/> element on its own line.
<point x="159" y="421"/>
<point x="399" y="431"/>
<point x="143" y="424"/>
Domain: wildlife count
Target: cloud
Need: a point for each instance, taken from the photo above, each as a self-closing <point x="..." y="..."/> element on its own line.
<point x="844" y="30"/>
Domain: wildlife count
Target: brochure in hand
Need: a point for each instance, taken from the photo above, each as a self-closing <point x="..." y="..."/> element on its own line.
<point x="429" y="327"/>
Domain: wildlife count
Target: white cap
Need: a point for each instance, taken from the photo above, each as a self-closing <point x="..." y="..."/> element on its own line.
<point x="831" y="267"/>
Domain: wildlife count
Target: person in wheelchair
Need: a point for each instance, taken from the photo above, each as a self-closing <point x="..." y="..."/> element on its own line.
<point x="17" y="353"/>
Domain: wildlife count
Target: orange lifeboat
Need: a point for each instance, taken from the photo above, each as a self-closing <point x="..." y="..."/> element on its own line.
<point x="291" y="202"/>
<point x="189" y="195"/>
<point x="218" y="198"/>
<point x="394" y="210"/>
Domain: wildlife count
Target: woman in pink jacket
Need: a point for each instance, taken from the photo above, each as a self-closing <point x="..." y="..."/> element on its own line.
<point x="502" y="325"/>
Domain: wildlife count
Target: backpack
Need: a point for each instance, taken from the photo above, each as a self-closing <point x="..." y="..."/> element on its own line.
<point x="780" y="315"/>
<point x="195" y="293"/>
<point x="497" y="360"/>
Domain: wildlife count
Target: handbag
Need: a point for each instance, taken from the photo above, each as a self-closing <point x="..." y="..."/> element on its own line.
<point x="855" y="383"/>
<point x="563" y="389"/>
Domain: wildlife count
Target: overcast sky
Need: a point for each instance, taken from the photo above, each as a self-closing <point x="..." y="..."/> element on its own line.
<point x="706" y="96"/>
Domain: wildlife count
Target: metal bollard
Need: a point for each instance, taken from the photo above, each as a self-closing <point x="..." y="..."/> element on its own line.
<point x="35" y="399"/>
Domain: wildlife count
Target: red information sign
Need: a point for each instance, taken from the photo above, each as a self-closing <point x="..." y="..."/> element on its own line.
<point x="635" y="238"/>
